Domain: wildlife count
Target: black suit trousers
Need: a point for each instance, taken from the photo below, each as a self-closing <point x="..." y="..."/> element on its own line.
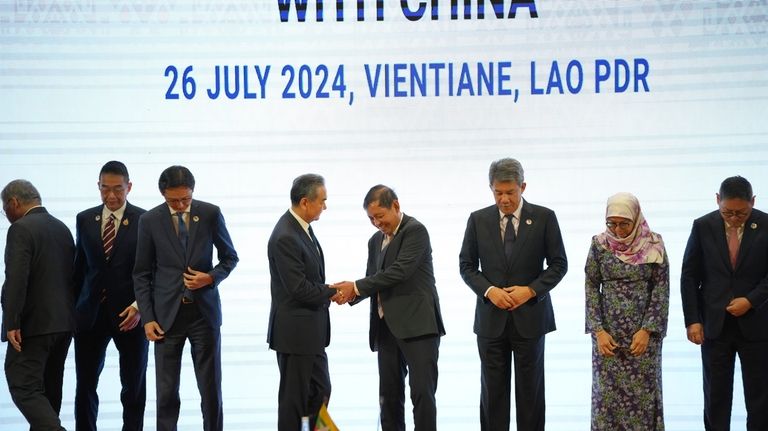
<point x="206" y="359"/>
<point x="718" y="359"/>
<point x="35" y="377"/>
<point x="495" y="379"/>
<point x="305" y="385"/>
<point x="417" y="358"/>
<point x="90" y="353"/>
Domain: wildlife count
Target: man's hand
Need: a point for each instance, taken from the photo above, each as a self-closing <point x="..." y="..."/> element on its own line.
<point x="695" y="333"/>
<point x="153" y="331"/>
<point x="519" y="294"/>
<point x="14" y="337"/>
<point x="605" y="344"/>
<point x="345" y="292"/>
<point x="500" y="298"/>
<point x="738" y="306"/>
<point x="639" y="342"/>
<point x="196" y="279"/>
<point x="131" y="318"/>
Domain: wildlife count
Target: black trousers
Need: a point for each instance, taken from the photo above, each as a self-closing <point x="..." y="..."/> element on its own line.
<point x="718" y="358"/>
<point x="495" y="384"/>
<point x="35" y="377"/>
<point x="305" y="385"/>
<point x="413" y="357"/>
<point x="90" y="351"/>
<point x="206" y="358"/>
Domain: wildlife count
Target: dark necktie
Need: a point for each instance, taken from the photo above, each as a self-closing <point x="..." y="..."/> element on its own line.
<point x="108" y="236"/>
<point x="314" y="238"/>
<point x="183" y="232"/>
<point x="509" y="236"/>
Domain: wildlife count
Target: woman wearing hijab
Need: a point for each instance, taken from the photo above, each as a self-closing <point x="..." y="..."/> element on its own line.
<point x="627" y="300"/>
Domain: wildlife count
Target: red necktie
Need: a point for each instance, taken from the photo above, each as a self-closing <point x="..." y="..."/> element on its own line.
<point x="733" y="245"/>
<point x="108" y="237"/>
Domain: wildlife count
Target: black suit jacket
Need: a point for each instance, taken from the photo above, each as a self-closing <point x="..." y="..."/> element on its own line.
<point x="708" y="282"/>
<point x="38" y="294"/>
<point x="403" y="278"/>
<point x="482" y="263"/>
<point x="299" y="322"/>
<point x="161" y="262"/>
<point x="94" y="273"/>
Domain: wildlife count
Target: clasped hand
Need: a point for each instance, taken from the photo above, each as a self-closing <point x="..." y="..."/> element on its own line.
<point x="345" y="292"/>
<point x="509" y="298"/>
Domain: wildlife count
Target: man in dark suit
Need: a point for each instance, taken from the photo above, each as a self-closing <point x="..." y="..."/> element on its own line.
<point x="724" y="286"/>
<point x="502" y="260"/>
<point x="38" y="305"/>
<point x="106" y="307"/>
<point x="299" y="325"/>
<point x="406" y="324"/>
<point x="176" y="286"/>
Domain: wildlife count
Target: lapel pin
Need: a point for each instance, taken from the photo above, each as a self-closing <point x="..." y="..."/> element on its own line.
<point x="753" y="226"/>
<point x="98" y="217"/>
<point x="125" y="222"/>
<point x="195" y="219"/>
<point x="528" y="221"/>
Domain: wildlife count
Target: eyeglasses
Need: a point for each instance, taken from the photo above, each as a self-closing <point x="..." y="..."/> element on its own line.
<point x="117" y="190"/>
<point x="734" y="214"/>
<point x="182" y="201"/>
<point x="621" y="224"/>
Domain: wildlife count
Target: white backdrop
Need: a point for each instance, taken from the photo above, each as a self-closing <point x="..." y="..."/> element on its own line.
<point x="83" y="82"/>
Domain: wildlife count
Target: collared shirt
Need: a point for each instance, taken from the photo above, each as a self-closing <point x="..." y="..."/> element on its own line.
<point x="175" y="219"/>
<point x="387" y="238"/>
<point x="740" y="230"/>
<point x="302" y="222"/>
<point x="503" y="220"/>
<point x="105" y="212"/>
<point x="27" y="211"/>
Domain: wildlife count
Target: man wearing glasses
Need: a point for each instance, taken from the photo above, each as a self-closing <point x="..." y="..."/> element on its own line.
<point x="106" y="308"/>
<point x="176" y="287"/>
<point x="724" y="286"/>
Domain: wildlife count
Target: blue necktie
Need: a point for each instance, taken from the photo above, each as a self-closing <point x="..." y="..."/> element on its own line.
<point x="183" y="239"/>
<point x="183" y="232"/>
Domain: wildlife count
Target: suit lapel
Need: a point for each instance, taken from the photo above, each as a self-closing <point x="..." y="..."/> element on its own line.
<point x="316" y="252"/>
<point x="747" y="239"/>
<point x="170" y="231"/>
<point x="525" y="224"/>
<point x="387" y="255"/>
<point x="94" y="233"/>
<point x="717" y="227"/>
<point x="193" y="226"/>
<point x="377" y="244"/>
<point x="123" y="231"/>
<point x="493" y="223"/>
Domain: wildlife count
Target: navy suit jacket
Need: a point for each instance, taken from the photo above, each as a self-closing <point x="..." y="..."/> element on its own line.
<point x="708" y="282"/>
<point x="94" y="273"/>
<point x="38" y="294"/>
<point x="403" y="277"/>
<point x="482" y="263"/>
<point x="161" y="262"/>
<point x="299" y="322"/>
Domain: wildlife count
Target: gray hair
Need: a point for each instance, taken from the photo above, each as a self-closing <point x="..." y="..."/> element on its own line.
<point x="23" y="191"/>
<point x="305" y="186"/>
<point x="506" y="170"/>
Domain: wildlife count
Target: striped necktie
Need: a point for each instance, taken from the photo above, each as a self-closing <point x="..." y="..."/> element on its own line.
<point x="108" y="236"/>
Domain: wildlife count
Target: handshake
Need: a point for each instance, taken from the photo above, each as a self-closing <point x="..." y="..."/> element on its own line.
<point x="345" y="292"/>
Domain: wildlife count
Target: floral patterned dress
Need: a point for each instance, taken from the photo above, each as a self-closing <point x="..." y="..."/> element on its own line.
<point x="622" y="298"/>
